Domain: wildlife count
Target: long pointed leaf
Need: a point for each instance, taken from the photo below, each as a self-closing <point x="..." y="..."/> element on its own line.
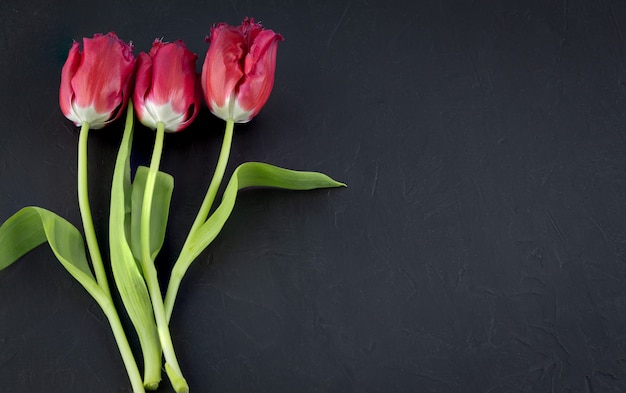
<point x="19" y="235"/>
<point x="32" y="226"/>
<point x="163" y="188"/>
<point x="128" y="277"/>
<point x="249" y="174"/>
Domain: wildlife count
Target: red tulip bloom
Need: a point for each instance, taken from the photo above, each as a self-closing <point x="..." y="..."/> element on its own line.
<point x="96" y="82"/>
<point x="238" y="72"/>
<point x="167" y="89"/>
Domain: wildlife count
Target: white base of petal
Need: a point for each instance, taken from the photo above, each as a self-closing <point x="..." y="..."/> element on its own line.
<point x="231" y="110"/>
<point x="153" y="114"/>
<point x="89" y="115"/>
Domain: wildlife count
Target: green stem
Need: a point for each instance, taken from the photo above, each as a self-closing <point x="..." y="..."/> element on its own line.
<point x="102" y="293"/>
<point x="85" y="211"/>
<point x="177" y="276"/>
<point x="122" y="342"/>
<point x="150" y="274"/>
<point x="209" y="198"/>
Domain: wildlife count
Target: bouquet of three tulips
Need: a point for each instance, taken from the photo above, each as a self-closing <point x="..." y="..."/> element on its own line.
<point x="97" y="83"/>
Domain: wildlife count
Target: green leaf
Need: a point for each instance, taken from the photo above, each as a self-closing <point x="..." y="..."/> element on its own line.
<point x="249" y="174"/>
<point x="128" y="277"/>
<point x="159" y="212"/>
<point x="31" y="227"/>
<point x="19" y="235"/>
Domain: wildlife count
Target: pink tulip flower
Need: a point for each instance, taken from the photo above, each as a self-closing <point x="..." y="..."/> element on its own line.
<point x="96" y="82"/>
<point x="238" y="72"/>
<point x="167" y="88"/>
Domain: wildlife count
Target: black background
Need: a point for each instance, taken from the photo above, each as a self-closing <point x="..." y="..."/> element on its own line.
<point x="479" y="247"/>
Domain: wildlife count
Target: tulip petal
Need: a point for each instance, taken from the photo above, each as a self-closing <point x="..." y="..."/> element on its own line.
<point x="259" y="69"/>
<point x="143" y="81"/>
<point x="66" y="93"/>
<point x="94" y="78"/>
<point x="222" y="69"/>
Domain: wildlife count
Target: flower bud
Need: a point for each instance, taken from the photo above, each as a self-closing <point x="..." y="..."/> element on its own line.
<point x="167" y="87"/>
<point x="96" y="82"/>
<point x="238" y="72"/>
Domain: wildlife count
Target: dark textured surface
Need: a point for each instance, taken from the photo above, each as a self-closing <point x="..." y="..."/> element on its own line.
<point x="480" y="246"/>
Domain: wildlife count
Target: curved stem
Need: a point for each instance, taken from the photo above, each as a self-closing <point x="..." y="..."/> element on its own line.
<point x="150" y="274"/>
<point x="85" y="210"/>
<point x="209" y="198"/>
<point x="176" y="276"/>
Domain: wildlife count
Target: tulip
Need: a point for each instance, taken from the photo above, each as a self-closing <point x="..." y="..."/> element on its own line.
<point x="167" y="98"/>
<point x="96" y="82"/>
<point x="94" y="91"/>
<point x="238" y="72"/>
<point x="167" y="89"/>
<point x="237" y="79"/>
